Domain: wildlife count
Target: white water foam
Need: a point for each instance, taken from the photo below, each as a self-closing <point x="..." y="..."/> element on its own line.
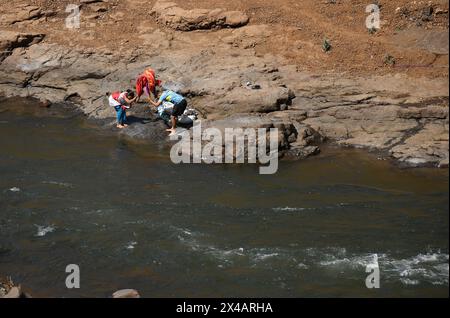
<point x="44" y="230"/>
<point x="289" y="209"/>
<point x="191" y="240"/>
<point x="423" y="268"/>
<point x="264" y="256"/>
<point x="131" y="245"/>
<point x="353" y="262"/>
<point x="302" y="209"/>
<point x="430" y="267"/>
<point x="59" y="184"/>
<point x="407" y="281"/>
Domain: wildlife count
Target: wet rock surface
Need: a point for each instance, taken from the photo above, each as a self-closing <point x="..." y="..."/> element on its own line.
<point x="145" y="130"/>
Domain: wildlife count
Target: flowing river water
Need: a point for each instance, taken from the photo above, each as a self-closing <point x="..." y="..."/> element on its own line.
<point x="71" y="193"/>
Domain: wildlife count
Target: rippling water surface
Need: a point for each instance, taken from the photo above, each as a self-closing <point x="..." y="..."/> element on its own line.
<point x="129" y="218"/>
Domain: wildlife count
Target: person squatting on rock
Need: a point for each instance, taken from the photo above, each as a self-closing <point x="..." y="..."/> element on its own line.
<point x="179" y="107"/>
<point x="121" y="101"/>
<point x="147" y="83"/>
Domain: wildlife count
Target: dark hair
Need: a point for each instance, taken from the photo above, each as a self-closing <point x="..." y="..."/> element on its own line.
<point x="130" y="93"/>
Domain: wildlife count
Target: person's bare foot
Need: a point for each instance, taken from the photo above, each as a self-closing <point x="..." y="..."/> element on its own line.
<point x="125" y="125"/>
<point x="171" y="131"/>
<point x="120" y="126"/>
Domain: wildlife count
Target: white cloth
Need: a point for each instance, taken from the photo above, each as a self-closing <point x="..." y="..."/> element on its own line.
<point x="113" y="102"/>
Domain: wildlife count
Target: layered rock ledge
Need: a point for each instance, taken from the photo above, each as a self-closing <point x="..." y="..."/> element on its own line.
<point x="170" y="14"/>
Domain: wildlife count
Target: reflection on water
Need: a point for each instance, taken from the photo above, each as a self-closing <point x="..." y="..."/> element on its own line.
<point x="131" y="219"/>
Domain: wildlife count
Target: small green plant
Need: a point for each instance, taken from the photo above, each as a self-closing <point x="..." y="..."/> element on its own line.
<point x="326" y="46"/>
<point x="389" y="60"/>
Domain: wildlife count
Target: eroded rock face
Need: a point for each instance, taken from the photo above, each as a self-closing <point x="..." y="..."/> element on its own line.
<point x="23" y="12"/>
<point x="175" y="17"/>
<point x="295" y="140"/>
<point x="412" y="134"/>
<point x="10" y="40"/>
<point x="55" y="73"/>
<point x="429" y="146"/>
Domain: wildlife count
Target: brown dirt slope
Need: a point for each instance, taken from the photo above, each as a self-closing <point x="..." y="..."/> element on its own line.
<point x="413" y="38"/>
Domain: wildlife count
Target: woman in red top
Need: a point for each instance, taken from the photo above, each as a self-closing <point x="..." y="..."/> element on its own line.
<point x="146" y="83"/>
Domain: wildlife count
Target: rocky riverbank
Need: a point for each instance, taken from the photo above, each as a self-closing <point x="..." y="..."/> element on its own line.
<point x="9" y="290"/>
<point x="225" y="77"/>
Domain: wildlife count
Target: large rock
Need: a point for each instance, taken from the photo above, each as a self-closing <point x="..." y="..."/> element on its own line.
<point x="427" y="147"/>
<point x="268" y="99"/>
<point x="304" y="142"/>
<point x="10" y="40"/>
<point x="295" y="140"/>
<point x="171" y="15"/>
<point x="14" y="292"/>
<point x="430" y="112"/>
<point x="19" y="13"/>
<point x="239" y="120"/>
<point x="54" y="73"/>
<point x="126" y="293"/>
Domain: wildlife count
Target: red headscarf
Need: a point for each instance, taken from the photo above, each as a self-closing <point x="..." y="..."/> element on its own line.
<point x="147" y="79"/>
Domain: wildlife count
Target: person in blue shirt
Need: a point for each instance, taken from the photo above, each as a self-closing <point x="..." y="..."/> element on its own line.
<point x="179" y="103"/>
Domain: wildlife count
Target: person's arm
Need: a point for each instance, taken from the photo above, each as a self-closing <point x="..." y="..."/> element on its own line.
<point x="150" y="100"/>
<point x="152" y="95"/>
<point x="160" y="101"/>
<point x="130" y="101"/>
<point x="157" y="104"/>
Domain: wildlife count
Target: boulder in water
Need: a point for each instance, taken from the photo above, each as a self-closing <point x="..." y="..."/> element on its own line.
<point x="126" y="293"/>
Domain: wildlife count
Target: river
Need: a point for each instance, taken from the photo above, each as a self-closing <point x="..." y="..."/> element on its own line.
<point x="71" y="193"/>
